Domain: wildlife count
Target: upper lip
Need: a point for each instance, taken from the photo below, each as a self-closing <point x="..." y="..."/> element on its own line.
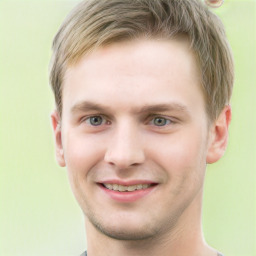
<point x="127" y="183"/>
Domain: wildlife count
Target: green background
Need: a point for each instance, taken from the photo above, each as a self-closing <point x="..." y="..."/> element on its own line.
<point x="38" y="215"/>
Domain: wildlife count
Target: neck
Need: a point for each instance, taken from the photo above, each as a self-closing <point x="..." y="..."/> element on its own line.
<point x="186" y="238"/>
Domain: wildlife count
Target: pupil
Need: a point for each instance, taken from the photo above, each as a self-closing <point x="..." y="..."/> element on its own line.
<point x="96" y="120"/>
<point x="160" y="121"/>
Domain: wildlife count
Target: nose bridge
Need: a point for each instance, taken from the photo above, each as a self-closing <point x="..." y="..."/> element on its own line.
<point x="125" y="148"/>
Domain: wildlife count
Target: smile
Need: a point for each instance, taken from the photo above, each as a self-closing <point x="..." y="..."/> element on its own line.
<point x="122" y="188"/>
<point x="129" y="191"/>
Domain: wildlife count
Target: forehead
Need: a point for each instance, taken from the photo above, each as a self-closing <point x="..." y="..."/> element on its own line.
<point x="134" y="73"/>
<point x="154" y="54"/>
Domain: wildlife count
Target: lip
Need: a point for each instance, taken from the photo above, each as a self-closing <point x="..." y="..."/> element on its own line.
<point x="127" y="197"/>
<point x="214" y="3"/>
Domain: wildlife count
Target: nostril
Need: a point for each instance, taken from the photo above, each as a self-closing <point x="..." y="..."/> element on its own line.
<point x="124" y="160"/>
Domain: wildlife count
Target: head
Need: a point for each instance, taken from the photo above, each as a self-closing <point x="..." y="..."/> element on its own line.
<point x="94" y="24"/>
<point x="142" y="90"/>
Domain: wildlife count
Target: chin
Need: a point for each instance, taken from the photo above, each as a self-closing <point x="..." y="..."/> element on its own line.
<point x="127" y="235"/>
<point x="124" y="229"/>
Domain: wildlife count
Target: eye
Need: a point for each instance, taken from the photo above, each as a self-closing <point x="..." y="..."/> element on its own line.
<point x="160" y="121"/>
<point x="95" y="120"/>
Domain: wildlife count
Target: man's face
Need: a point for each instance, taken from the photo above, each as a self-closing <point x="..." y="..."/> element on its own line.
<point x="134" y="137"/>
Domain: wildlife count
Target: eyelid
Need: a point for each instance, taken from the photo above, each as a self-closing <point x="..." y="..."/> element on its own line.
<point x="87" y="117"/>
<point x="151" y="117"/>
<point x="148" y="119"/>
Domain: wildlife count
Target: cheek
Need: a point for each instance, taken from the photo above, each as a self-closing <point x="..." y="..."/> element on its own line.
<point x="82" y="152"/>
<point x="181" y="152"/>
<point x="183" y="157"/>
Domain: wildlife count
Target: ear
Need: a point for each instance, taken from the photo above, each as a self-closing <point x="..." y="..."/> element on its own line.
<point x="55" y="119"/>
<point x="218" y="137"/>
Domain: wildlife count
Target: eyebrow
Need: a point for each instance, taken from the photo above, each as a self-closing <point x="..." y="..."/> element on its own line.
<point x="86" y="106"/>
<point x="163" y="107"/>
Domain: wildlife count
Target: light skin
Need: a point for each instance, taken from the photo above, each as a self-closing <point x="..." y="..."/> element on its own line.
<point x="134" y="113"/>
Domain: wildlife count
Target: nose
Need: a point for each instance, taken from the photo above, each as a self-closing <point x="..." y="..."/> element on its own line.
<point x="125" y="149"/>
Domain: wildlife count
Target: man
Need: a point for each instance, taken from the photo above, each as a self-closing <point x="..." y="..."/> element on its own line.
<point x="142" y="92"/>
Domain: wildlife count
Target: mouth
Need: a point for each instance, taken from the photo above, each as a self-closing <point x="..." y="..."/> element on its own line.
<point x="127" y="192"/>
<point x="214" y="3"/>
<point x="122" y="188"/>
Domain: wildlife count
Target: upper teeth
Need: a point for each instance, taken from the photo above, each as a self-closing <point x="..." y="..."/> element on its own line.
<point x="122" y="188"/>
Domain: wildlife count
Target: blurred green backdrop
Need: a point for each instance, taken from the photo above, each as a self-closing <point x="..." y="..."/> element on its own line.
<point x="38" y="215"/>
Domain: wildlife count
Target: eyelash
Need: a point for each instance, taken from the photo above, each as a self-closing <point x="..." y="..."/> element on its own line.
<point x="151" y="120"/>
<point x="167" y="121"/>
<point x="89" y="118"/>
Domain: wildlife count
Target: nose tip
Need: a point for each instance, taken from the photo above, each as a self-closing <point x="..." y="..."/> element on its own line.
<point x="124" y="158"/>
<point x="124" y="152"/>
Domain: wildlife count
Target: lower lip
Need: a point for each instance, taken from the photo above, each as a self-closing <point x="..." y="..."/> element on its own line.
<point x="214" y="3"/>
<point x="127" y="197"/>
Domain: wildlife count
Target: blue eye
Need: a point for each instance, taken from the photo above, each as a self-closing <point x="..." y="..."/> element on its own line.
<point x="95" y="120"/>
<point x="160" y="121"/>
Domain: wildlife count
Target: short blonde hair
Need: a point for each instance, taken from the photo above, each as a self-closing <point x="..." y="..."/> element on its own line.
<point x="96" y="23"/>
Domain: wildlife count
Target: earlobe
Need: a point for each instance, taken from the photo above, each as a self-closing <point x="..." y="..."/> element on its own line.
<point x="55" y="120"/>
<point x="219" y="136"/>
